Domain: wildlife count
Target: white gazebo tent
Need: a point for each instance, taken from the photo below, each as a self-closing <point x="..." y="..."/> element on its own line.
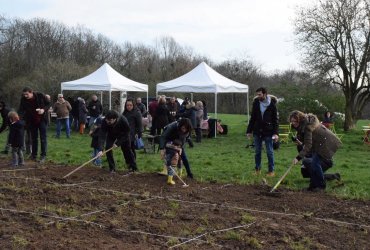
<point x="105" y="79"/>
<point x="203" y="79"/>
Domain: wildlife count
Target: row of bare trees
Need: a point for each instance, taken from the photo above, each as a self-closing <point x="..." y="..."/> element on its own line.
<point x="41" y="54"/>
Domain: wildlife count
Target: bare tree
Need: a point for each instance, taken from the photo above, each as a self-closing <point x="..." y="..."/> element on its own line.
<point x="335" y="38"/>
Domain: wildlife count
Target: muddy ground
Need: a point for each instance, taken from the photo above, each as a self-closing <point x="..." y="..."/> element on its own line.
<point x="94" y="209"/>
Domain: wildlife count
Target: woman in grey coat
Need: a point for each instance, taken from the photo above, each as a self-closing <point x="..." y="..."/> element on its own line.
<point x="318" y="140"/>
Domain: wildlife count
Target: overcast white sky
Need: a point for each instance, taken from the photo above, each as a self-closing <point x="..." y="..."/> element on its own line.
<point x="261" y="30"/>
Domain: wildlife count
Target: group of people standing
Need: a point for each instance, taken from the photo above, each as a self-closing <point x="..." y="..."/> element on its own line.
<point x="163" y="113"/>
<point x="173" y="122"/>
<point x="30" y="123"/>
<point x="316" y="144"/>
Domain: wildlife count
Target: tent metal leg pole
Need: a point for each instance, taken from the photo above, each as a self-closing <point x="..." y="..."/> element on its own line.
<point x="216" y="115"/>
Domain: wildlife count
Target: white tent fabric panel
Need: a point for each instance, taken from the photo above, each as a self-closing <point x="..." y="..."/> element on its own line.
<point x="202" y="79"/>
<point x="104" y="79"/>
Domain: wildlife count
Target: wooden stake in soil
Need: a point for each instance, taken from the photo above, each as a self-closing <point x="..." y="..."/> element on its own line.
<point x="104" y="152"/>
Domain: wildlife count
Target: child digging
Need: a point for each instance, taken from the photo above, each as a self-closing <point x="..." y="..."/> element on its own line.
<point x="16" y="138"/>
<point x="173" y="152"/>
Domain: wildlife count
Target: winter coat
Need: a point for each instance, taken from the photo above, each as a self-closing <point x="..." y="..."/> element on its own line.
<point x="170" y="133"/>
<point x="317" y="138"/>
<point x="95" y="132"/>
<point x="75" y="108"/>
<point x="162" y="116"/>
<point x="95" y="108"/>
<point x="27" y="108"/>
<point x="153" y="108"/>
<point x="4" y="115"/>
<point x="267" y="125"/>
<point x="135" y="122"/>
<point x="16" y="134"/>
<point x="62" y="109"/>
<point x="142" y="109"/>
<point x="82" y="111"/>
<point x="199" y="117"/>
<point x="120" y="131"/>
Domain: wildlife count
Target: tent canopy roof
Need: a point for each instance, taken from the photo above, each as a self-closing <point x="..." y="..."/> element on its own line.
<point x="104" y="79"/>
<point x="202" y="79"/>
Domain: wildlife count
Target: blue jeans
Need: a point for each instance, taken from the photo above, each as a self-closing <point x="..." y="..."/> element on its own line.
<point x="91" y="120"/>
<point x="35" y="129"/>
<point x="269" y="150"/>
<point x="59" y="126"/>
<point x="317" y="175"/>
<point x="97" y="161"/>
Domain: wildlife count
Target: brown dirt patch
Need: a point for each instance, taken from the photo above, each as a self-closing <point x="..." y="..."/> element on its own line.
<point x="96" y="210"/>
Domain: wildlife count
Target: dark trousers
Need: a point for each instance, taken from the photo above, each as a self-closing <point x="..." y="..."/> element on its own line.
<point x="185" y="161"/>
<point x="35" y="130"/>
<point x="325" y="165"/>
<point x="198" y="134"/>
<point x="153" y="127"/>
<point x="127" y="153"/>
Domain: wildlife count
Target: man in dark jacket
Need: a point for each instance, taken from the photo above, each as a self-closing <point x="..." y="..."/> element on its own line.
<point x="33" y="110"/>
<point x="264" y="126"/>
<point x="141" y="107"/>
<point x="5" y="123"/>
<point x="95" y="109"/>
<point x="115" y="132"/>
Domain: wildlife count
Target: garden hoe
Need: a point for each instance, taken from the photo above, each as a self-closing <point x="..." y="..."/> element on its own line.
<point x="282" y="178"/>
<point x="184" y="184"/>
<point x="104" y="152"/>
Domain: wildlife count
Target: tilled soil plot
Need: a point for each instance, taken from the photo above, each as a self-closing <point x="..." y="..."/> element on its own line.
<point x="93" y="209"/>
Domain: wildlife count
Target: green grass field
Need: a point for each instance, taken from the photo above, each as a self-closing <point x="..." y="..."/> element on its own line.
<point x="226" y="159"/>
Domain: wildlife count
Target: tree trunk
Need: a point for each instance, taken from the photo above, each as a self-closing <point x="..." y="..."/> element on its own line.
<point x="349" y="121"/>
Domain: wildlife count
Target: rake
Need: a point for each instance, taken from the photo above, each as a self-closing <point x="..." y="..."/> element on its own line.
<point x="282" y="178"/>
<point x="104" y="152"/>
<point x="184" y="184"/>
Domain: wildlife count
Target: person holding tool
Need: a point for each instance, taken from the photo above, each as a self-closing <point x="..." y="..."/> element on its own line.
<point x="320" y="142"/>
<point x="115" y="132"/>
<point x="178" y="130"/>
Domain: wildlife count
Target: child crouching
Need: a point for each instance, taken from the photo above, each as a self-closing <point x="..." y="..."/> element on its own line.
<point x="173" y="152"/>
<point x="16" y="138"/>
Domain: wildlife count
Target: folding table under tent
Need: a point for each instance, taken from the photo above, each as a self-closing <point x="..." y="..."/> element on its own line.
<point x="204" y="79"/>
<point x="105" y="79"/>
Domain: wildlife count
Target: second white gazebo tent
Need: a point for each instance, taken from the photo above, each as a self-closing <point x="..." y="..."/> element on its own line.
<point x="204" y="79"/>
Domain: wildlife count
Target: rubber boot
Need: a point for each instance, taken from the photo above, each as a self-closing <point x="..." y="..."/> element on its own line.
<point x="170" y="180"/>
<point x="164" y="171"/>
